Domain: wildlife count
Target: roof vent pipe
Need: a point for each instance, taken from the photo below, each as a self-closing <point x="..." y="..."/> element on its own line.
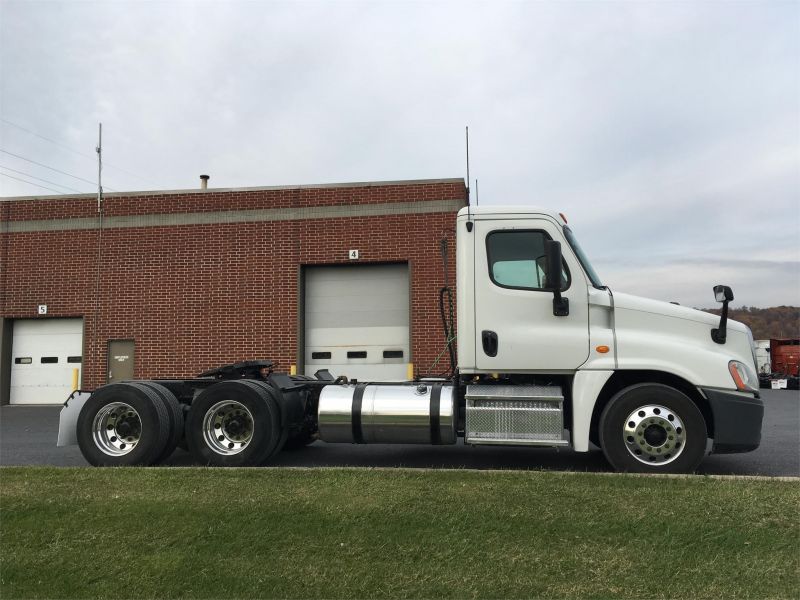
<point x="204" y="181"/>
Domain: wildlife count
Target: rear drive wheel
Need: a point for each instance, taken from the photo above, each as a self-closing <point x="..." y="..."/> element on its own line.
<point x="234" y="424"/>
<point x="123" y="424"/>
<point x="653" y="428"/>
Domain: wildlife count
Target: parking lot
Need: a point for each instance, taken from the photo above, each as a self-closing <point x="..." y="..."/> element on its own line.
<point x="28" y="437"/>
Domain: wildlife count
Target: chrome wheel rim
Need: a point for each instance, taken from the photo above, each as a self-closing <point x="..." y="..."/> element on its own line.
<point x="654" y="435"/>
<point x="117" y="428"/>
<point x="228" y="427"/>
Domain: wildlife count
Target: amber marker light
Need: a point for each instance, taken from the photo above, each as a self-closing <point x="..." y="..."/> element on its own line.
<point x="737" y="378"/>
<point x="563" y="217"/>
<point x="602" y="349"/>
<point x="745" y="379"/>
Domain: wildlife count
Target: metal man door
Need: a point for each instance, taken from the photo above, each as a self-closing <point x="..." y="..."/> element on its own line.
<point x="514" y="323"/>
<point x="120" y="360"/>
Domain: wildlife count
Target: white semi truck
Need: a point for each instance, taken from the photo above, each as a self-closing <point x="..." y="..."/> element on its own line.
<point x="546" y="356"/>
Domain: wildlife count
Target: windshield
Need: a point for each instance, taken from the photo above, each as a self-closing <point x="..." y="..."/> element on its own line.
<point x="587" y="266"/>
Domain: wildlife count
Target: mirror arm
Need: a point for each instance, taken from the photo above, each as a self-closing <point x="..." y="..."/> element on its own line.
<point x="720" y="334"/>
<point x="724" y="294"/>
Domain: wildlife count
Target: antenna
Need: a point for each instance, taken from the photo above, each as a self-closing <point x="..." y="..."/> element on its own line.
<point x="467" y="128"/>
<point x="476" y="192"/>
<point x="469" y="216"/>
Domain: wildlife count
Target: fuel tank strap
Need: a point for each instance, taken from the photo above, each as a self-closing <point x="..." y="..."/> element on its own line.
<point x="358" y="396"/>
<point x="436" y="396"/>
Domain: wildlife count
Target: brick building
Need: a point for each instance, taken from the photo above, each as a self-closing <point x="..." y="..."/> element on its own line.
<point x="171" y="283"/>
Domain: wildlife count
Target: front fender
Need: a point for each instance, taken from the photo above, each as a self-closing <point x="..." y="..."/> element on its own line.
<point x="700" y="365"/>
<point x="586" y="388"/>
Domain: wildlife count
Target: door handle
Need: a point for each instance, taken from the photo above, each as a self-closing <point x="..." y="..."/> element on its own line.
<point x="490" y="343"/>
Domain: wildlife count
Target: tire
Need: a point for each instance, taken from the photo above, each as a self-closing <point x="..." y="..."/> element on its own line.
<point x="123" y="424"/>
<point x="175" y="413"/>
<point x="272" y="394"/>
<point x="234" y="424"/>
<point x="653" y="428"/>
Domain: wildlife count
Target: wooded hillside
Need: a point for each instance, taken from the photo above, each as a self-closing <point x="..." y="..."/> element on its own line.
<point x="766" y="323"/>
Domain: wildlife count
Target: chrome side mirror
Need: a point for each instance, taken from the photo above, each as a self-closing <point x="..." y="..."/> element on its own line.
<point x="722" y="293"/>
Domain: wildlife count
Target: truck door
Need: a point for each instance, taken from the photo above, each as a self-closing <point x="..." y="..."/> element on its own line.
<point x="514" y="323"/>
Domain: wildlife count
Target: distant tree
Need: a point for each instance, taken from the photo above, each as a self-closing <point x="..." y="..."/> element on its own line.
<point x="767" y="323"/>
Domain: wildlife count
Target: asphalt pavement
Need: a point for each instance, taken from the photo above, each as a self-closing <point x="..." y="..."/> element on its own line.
<point x="28" y="437"/>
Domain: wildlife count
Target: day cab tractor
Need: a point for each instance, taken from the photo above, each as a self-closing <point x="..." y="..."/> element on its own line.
<point x="545" y="355"/>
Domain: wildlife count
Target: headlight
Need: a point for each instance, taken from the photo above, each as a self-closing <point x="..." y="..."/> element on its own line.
<point x="743" y="376"/>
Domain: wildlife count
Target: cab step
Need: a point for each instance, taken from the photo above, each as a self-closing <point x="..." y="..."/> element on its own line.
<point x="518" y="415"/>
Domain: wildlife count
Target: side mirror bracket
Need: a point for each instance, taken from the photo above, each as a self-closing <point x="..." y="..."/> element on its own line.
<point x="552" y="253"/>
<point x="724" y="294"/>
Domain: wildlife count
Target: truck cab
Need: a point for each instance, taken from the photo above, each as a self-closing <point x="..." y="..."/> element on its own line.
<point x="604" y="348"/>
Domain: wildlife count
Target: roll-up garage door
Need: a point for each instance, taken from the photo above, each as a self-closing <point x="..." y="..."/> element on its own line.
<point x="357" y="321"/>
<point x="43" y="354"/>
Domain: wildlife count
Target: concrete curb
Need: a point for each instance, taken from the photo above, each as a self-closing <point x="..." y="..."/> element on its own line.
<point x="526" y="472"/>
<point x="540" y="471"/>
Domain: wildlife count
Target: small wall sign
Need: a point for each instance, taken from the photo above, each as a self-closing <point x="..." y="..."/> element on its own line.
<point x="353" y="254"/>
<point x="43" y="309"/>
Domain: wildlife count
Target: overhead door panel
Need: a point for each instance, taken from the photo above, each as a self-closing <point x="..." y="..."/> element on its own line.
<point x="43" y="354"/>
<point x="357" y="321"/>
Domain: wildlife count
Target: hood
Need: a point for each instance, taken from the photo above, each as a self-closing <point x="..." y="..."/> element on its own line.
<point x="659" y="336"/>
<point x="667" y="309"/>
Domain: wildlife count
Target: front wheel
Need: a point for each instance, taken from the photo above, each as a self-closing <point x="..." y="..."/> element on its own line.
<point x="653" y="428"/>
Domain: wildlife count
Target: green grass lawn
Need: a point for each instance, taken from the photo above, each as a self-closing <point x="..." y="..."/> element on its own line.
<point x="360" y="533"/>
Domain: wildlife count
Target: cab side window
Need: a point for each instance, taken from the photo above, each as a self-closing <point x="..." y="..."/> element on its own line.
<point x="516" y="259"/>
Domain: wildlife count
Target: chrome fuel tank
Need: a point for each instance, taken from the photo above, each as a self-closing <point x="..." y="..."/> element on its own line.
<point x="367" y="413"/>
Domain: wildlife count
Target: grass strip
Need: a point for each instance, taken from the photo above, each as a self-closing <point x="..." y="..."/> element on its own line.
<point x="360" y="533"/>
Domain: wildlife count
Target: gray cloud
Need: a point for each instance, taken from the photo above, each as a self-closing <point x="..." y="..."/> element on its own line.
<point x="665" y="131"/>
<point x="754" y="283"/>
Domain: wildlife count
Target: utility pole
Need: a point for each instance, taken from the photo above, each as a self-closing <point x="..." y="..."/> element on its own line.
<point x="96" y="352"/>
<point x="99" y="150"/>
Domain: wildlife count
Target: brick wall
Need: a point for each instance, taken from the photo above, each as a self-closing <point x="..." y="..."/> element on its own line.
<point x="196" y="296"/>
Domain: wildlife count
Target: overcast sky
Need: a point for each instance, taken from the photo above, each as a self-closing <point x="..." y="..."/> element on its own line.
<point x="668" y="132"/>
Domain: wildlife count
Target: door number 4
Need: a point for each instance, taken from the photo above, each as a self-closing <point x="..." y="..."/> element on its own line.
<point x="353" y="254"/>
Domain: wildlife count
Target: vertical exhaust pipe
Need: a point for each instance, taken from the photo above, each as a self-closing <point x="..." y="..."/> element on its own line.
<point x="204" y="181"/>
